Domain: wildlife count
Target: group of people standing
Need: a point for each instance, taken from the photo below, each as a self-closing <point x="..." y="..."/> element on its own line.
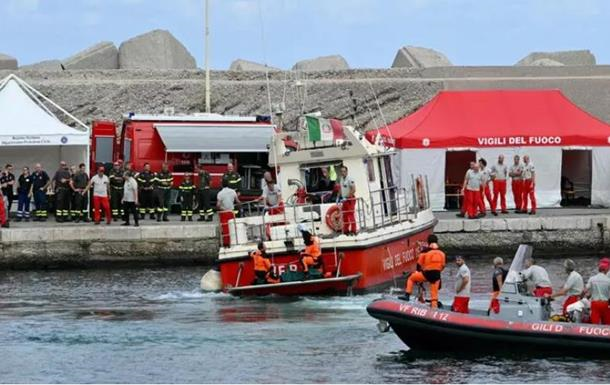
<point x="489" y="184"/>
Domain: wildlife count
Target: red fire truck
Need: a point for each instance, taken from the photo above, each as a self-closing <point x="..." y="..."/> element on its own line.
<point x="209" y="141"/>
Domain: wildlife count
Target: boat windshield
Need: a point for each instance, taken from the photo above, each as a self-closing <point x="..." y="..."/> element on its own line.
<point x="522" y="254"/>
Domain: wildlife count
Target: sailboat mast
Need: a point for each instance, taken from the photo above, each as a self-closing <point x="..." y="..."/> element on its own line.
<point x="207" y="56"/>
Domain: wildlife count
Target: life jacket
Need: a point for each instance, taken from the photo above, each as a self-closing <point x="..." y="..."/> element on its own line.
<point x="313" y="250"/>
<point x="433" y="259"/>
<point x="260" y="263"/>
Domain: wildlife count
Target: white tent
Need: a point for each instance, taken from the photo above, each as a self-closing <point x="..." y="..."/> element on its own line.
<point x="31" y="133"/>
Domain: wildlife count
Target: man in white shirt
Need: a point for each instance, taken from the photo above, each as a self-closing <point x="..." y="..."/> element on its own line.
<point x="272" y="198"/>
<point x="462" y="287"/>
<point x="572" y="288"/>
<point x="101" y="188"/>
<point x="529" y="185"/>
<point x="499" y="174"/>
<point x="471" y="190"/>
<point x="130" y="199"/>
<point x="485" y="190"/>
<point x="225" y="203"/>
<point x="598" y="288"/>
<point x="515" y="172"/>
<point x="348" y="206"/>
<point x="538" y="277"/>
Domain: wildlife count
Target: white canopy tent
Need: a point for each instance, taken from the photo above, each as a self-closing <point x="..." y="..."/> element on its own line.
<point x="31" y="133"/>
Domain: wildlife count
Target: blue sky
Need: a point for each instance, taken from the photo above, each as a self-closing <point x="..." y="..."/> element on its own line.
<point x="366" y="32"/>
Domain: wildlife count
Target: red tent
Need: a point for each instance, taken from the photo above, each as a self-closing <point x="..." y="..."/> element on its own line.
<point x="497" y="118"/>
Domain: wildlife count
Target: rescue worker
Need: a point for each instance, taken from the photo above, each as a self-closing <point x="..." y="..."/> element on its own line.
<point x="538" y="277"/>
<point x="262" y="264"/>
<point x="598" y="289"/>
<point x="116" y="190"/>
<point x="101" y="191"/>
<point x="164" y="181"/>
<point x="516" y="174"/>
<point x="40" y="183"/>
<point x="63" y="193"/>
<point x="24" y="195"/>
<point x="232" y="178"/>
<point x="145" y="181"/>
<point x="499" y="174"/>
<point x="572" y="288"/>
<point x="311" y="256"/>
<point x="73" y="214"/>
<point x="78" y="184"/>
<point x="529" y="186"/>
<point x="348" y="202"/>
<point x="187" y="188"/>
<point x="3" y="214"/>
<point x="485" y="190"/>
<point x="497" y="280"/>
<point x="225" y="203"/>
<point x="7" y="181"/>
<point x="272" y="198"/>
<point x="430" y="264"/>
<point x="267" y="177"/>
<point x="471" y="190"/>
<point x="462" y="287"/>
<point x="203" y="196"/>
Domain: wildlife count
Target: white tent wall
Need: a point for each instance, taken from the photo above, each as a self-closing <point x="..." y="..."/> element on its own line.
<point x="547" y="162"/>
<point x="49" y="157"/>
<point x="427" y="162"/>
<point x="600" y="181"/>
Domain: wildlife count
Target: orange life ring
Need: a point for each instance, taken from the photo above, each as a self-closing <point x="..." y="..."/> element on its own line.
<point x="333" y="218"/>
<point x="419" y="185"/>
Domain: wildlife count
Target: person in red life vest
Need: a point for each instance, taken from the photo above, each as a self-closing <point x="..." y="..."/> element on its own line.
<point x="262" y="265"/>
<point x="515" y="172"/>
<point x="598" y="290"/>
<point x="311" y="256"/>
<point x="573" y="287"/>
<point x="497" y="280"/>
<point x="430" y="264"/>
<point x="462" y="287"/>
<point x="529" y="185"/>
<point x="348" y="205"/>
<point x="499" y="174"/>
<point x="471" y="190"/>
<point x="485" y="190"/>
<point x="3" y="214"/>
<point x="539" y="278"/>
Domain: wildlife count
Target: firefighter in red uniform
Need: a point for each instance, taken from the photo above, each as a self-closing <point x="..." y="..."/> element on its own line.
<point x="430" y="263"/>
<point x="598" y="289"/>
<point x="485" y="190"/>
<point x="471" y="190"/>
<point x="515" y="172"/>
<point x="499" y="174"/>
<point x="529" y="185"/>
<point x="348" y="206"/>
<point x="573" y="287"/>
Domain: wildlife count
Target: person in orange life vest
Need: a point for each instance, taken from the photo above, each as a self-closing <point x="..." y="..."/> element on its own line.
<point x="485" y="190"/>
<point x="430" y="264"/>
<point x="498" y="278"/>
<point x="499" y="174"/>
<point x="471" y="190"/>
<point x="262" y="265"/>
<point x="516" y="174"/>
<point x="539" y="278"/>
<point x="462" y="287"/>
<point x="572" y="288"/>
<point x="348" y="205"/>
<point x="310" y="257"/>
<point x="529" y="185"/>
<point x="598" y="289"/>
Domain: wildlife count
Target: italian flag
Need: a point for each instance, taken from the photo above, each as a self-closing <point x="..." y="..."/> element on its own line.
<point x="320" y="129"/>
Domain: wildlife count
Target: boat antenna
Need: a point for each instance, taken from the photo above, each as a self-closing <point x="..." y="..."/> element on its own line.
<point x="207" y="57"/>
<point x="262" y="23"/>
<point x="385" y="123"/>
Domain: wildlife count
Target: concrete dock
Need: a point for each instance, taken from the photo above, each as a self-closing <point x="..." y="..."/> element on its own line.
<point x="563" y="231"/>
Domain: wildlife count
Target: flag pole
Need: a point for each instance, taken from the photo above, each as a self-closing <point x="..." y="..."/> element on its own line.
<point x="207" y="56"/>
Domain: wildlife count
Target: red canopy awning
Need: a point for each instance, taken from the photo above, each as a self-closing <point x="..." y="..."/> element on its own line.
<point x="498" y="118"/>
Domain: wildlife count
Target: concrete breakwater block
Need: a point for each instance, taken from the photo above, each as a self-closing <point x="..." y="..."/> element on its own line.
<point x="46" y="65"/>
<point x="7" y="62"/>
<point x="157" y="49"/>
<point x="323" y="63"/>
<point x="419" y="57"/>
<point x="102" y="55"/>
<point x="246" y="65"/>
<point x="569" y="58"/>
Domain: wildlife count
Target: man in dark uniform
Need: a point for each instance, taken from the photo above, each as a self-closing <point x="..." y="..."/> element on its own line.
<point x="40" y="183"/>
<point x="146" y="181"/>
<point x="186" y="198"/>
<point x="163" y="191"/>
<point x="7" y="181"/>
<point x="79" y="200"/>
<point x="232" y="178"/>
<point x="203" y="195"/>
<point x="61" y="187"/>
<point x="116" y="191"/>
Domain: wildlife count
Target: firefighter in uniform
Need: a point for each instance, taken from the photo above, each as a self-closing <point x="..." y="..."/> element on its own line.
<point x="516" y="174"/>
<point x="78" y="184"/>
<point x="40" y="183"/>
<point x="116" y="191"/>
<point x="186" y="198"/>
<point x="232" y="178"/>
<point x="63" y="193"/>
<point x="203" y="195"/>
<point x="163" y="189"/>
<point x="146" y="181"/>
<point x="529" y="186"/>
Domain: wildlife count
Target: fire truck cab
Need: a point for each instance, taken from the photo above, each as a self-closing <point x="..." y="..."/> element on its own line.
<point x="186" y="142"/>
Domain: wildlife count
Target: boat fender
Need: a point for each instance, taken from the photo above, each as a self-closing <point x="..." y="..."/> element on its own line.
<point x="211" y="281"/>
<point x="333" y="218"/>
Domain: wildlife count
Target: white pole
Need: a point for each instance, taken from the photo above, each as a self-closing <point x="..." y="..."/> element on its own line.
<point x="207" y="57"/>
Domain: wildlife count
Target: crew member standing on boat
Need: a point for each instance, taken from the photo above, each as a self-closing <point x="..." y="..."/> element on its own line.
<point x="497" y="280"/>
<point x="485" y="190"/>
<point x="539" y="278"/>
<point x="311" y="256"/>
<point x="262" y="265"/>
<point x="348" y="205"/>
<point x="430" y="264"/>
<point x="499" y="174"/>
<point x="232" y="178"/>
<point x="529" y="185"/>
<point x="225" y="203"/>
<point x="598" y="288"/>
<point x="471" y="190"/>
<point x="515" y="172"/>
<point x="462" y="287"/>
<point x="572" y="288"/>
